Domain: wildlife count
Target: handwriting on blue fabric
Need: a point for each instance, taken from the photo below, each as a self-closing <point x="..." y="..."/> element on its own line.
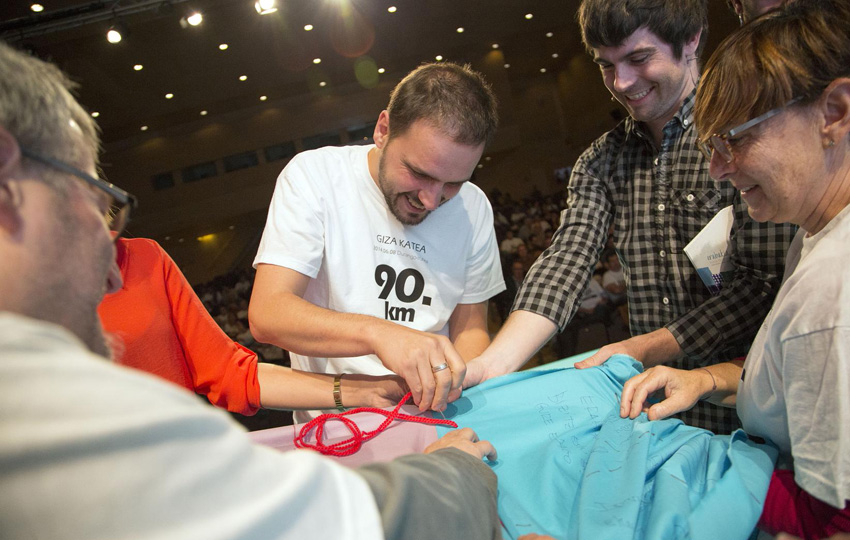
<point x="570" y="467"/>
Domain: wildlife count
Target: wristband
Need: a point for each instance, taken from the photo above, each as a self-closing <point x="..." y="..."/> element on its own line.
<point x="338" y="393"/>
<point x="713" y="384"/>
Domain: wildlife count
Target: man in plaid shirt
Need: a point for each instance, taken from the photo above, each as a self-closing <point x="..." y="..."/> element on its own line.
<point x="648" y="179"/>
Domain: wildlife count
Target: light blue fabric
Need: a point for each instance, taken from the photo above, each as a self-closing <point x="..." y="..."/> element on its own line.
<point x="570" y="467"/>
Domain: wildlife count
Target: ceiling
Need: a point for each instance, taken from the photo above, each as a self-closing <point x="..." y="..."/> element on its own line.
<point x="273" y="51"/>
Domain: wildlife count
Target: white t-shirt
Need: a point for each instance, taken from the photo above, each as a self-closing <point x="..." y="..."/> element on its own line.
<point x="611" y="277"/>
<point x="93" y="450"/>
<point x="329" y="220"/>
<point x="795" y="390"/>
<point x="593" y="295"/>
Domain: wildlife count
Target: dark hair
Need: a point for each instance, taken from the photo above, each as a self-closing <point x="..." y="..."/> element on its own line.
<point x="794" y="52"/>
<point x="608" y="23"/>
<point x="452" y="97"/>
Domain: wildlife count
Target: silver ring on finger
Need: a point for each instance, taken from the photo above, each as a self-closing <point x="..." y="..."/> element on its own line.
<point x="441" y="367"/>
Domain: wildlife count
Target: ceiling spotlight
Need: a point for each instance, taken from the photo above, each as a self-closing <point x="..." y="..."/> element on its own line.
<point x="554" y="55"/>
<point x="138" y="67"/>
<point x="549" y="34"/>
<point x="169" y="95"/>
<point x="113" y="35"/>
<point x="144" y="128"/>
<point x="479" y="166"/>
<point x="495" y="45"/>
<point x="542" y="70"/>
<point x="264" y="7"/>
<point x="323" y="84"/>
<point x="308" y="27"/>
<point x="381" y="70"/>
<point x="317" y="60"/>
<point x="507" y="66"/>
<point x="243" y="78"/>
<point x="223" y="47"/>
<point x="193" y="19"/>
<point x="528" y="16"/>
<point x="203" y="113"/>
<point x="391" y="9"/>
<point x="460" y="30"/>
<point x="439" y="58"/>
<point x="95" y="114"/>
<point x="38" y="8"/>
<point x="263" y="98"/>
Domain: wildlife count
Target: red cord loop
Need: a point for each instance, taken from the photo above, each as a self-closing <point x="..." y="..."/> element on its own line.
<point x="358" y="437"/>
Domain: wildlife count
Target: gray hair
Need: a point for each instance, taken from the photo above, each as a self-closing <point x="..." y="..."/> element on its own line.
<point x="38" y="109"/>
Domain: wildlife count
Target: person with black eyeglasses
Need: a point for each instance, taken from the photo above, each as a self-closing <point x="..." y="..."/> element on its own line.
<point x="90" y="449"/>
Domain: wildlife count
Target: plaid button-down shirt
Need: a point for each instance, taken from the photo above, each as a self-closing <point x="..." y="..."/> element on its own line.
<point x="658" y="199"/>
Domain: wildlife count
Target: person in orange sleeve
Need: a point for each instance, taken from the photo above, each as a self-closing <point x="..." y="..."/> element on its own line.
<point x="160" y="326"/>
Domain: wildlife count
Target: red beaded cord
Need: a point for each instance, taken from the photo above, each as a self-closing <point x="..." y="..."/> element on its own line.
<point x="358" y="437"/>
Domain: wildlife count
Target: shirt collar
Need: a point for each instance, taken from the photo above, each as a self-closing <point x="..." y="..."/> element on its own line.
<point x="683" y="119"/>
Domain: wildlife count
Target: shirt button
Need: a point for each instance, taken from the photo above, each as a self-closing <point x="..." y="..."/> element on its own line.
<point x="690" y="197"/>
<point x="661" y="207"/>
<point x="662" y="253"/>
<point x="686" y="121"/>
<point x="665" y="301"/>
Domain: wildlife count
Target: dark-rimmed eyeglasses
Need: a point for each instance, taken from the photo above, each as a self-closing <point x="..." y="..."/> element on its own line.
<point x="720" y="143"/>
<point x="120" y="202"/>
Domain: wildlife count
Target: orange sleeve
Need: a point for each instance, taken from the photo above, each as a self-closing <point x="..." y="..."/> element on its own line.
<point x="224" y="371"/>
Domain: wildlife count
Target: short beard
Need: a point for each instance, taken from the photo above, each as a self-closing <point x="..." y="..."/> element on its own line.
<point x="392" y="198"/>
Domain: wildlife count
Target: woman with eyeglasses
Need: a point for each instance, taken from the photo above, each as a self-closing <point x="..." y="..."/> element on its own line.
<point x="773" y="112"/>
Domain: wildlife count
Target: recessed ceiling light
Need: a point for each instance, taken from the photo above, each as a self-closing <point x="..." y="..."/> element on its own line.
<point x="495" y="45"/>
<point x="113" y="35"/>
<point x="542" y="70"/>
<point x="529" y="16"/>
<point x="480" y="166"/>
<point x="168" y="238"/>
<point x="507" y="66"/>
<point x="223" y="47"/>
<point x="323" y="84"/>
<point x="195" y="18"/>
<point x="488" y="158"/>
<point x="460" y="30"/>
<point x="264" y="7"/>
<point x="317" y="60"/>
<point x="231" y="227"/>
<point x="554" y="55"/>
<point x="38" y="8"/>
<point x="263" y="98"/>
<point x="203" y="113"/>
<point x="308" y="27"/>
<point x="381" y="70"/>
<point x="549" y="34"/>
<point x="243" y="78"/>
<point x="144" y="128"/>
<point x="391" y="9"/>
<point x="138" y="67"/>
<point x="439" y="58"/>
<point x="169" y="95"/>
<point x="95" y="114"/>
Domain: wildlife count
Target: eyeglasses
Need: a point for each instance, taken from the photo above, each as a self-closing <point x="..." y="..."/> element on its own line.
<point x="120" y="202"/>
<point x="721" y="144"/>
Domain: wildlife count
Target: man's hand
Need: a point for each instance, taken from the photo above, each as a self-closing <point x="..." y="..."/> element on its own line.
<point x="413" y="355"/>
<point x="682" y="389"/>
<point x="466" y="440"/>
<point x="650" y="349"/>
